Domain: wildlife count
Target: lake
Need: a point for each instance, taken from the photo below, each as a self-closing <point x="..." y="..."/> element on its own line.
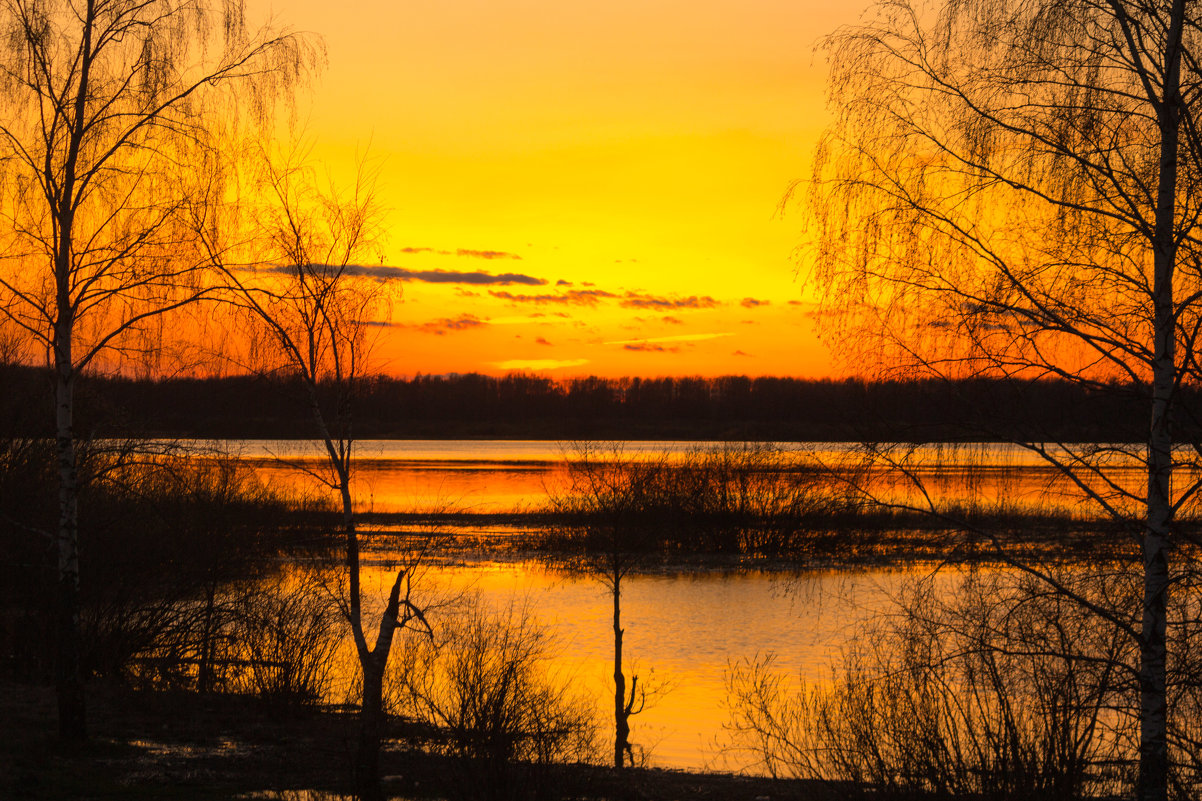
<point x="683" y="629"/>
<point x="501" y="476"/>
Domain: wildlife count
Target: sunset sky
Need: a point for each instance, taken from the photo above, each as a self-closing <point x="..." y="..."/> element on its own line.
<point x="582" y="187"/>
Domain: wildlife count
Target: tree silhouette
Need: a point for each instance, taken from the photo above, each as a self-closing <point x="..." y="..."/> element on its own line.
<point x="1013" y="189"/>
<point x="605" y="502"/>
<point x="317" y="316"/>
<point x="112" y="111"/>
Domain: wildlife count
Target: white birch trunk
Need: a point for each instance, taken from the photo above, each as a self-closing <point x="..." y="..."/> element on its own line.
<point x="1153" y="745"/>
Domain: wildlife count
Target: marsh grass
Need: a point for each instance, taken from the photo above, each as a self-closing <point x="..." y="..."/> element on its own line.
<point x="981" y="684"/>
<point x="765" y="502"/>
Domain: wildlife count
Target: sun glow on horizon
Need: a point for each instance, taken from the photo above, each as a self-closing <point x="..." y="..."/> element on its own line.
<point x="588" y="187"/>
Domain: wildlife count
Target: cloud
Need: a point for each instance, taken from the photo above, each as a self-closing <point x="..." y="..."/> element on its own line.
<point x="677" y="338"/>
<point x="628" y="300"/>
<point x="478" y="277"/>
<point x="487" y="254"/>
<point x="518" y="319"/>
<point x="643" y="346"/>
<point x="542" y="341"/>
<point x="751" y="303"/>
<point x="386" y="273"/>
<point x="574" y="297"/>
<point x="441" y="327"/>
<point x="670" y="320"/>
<point x="639" y="300"/>
<point x="464" y="253"/>
<point x="538" y="364"/>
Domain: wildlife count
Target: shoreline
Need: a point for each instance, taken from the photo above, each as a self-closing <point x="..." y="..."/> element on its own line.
<point x="848" y="542"/>
<point x="174" y="746"/>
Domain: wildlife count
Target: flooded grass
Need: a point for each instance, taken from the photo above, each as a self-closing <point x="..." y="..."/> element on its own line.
<point x="687" y="522"/>
<point x="871" y="538"/>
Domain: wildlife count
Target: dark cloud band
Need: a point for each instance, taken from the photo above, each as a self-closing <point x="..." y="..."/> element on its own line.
<point x="647" y="347"/>
<point x="574" y="297"/>
<point x="635" y="300"/>
<point x="629" y="300"/>
<point x="447" y="324"/>
<point x="385" y="273"/>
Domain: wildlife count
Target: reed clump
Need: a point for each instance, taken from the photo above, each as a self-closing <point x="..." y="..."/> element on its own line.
<point x="764" y="501"/>
<point x="738" y="498"/>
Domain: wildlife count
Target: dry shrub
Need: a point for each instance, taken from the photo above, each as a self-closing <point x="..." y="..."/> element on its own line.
<point x="488" y="687"/>
<point x="982" y="685"/>
<point x="285" y="639"/>
<point x="276" y="638"/>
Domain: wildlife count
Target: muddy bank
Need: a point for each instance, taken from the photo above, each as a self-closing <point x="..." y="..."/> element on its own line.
<point x="184" y="747"/>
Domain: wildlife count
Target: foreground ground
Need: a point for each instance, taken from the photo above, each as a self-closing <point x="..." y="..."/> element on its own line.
<point x="181" y="747"/>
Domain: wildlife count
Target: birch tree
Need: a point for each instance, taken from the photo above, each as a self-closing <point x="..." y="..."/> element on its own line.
<point x="1014" y="189"/>
<point x="317" y="310"/>
<point x="111" y="112"/>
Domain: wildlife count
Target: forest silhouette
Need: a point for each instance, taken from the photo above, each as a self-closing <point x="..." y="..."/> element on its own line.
<point x="537" y="407"/>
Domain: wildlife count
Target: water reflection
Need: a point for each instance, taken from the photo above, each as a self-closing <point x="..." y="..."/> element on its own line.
<point x="501" y="476"/>
<point x="682" y="632"/>
<point x="414" y="486"/>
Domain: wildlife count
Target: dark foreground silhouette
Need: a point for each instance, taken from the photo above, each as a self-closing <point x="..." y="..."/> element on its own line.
<point x="180" y="747"/>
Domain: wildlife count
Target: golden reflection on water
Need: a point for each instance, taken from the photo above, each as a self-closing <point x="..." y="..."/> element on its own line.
<point x="682" y="631"/>
<point x="391" y="487"/>
<point x="384" y="486"/>
<point x="490" y="477"/>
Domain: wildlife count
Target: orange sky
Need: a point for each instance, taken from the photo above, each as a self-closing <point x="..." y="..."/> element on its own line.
<point x="582" y="187"/>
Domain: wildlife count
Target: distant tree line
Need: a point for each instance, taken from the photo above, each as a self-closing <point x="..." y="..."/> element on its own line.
<point x="522" y="405"/>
